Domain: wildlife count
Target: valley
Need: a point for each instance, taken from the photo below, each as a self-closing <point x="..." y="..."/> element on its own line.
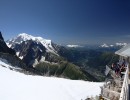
<point x="48" y="58"/>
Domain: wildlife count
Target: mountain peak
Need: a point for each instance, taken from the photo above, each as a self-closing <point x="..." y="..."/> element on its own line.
<point x="23" y="37"/>
<point x="23" y="34"/>
<point x="104" y="45"/>
<point x="4" y="48"/>
<point x="1" y="37"/>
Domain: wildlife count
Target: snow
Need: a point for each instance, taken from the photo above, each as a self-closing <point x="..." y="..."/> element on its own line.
<point x="42" y="59"/>
<point x="4" y="63"/>
<point x="35" y="63"/>
<point x="121" y="44"/>
<point x="73" y="46"/>
<point x="18" y="86"/>
<point x="24" y="37"/>
<point x="112" y="45"/>
<point x="105" y="45"/>
<point x="17" y="53"/>
<point x="9" y="45"/>
<point x="21" y="57"/>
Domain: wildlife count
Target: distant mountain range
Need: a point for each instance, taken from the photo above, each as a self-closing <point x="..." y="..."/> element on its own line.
<point x="113" y="45"/>
<point x="74" y="46"/>
<point x="104" y="45"/>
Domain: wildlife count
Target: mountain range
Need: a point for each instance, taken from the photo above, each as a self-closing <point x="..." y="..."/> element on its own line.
<point x="113" y="45"/>
<point x="45" y="57"/>
<point x="36" y="55"/>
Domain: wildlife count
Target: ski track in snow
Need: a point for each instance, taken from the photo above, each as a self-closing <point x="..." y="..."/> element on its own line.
<point x="18" y="86"/>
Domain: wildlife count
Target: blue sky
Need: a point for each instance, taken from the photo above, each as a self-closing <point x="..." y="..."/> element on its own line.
<point x="67" y="21"/>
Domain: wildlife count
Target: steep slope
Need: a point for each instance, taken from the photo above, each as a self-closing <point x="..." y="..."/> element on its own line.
<point x="64" y="69"/>
<point x="18" y="86"/>
<point x="92" y="61"/>
<point x="4" y="48"/>
<point x="8" y="55"/>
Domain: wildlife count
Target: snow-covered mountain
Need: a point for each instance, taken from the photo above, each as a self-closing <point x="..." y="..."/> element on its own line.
<point x="121" y="44"/>
<point x="33" y="50"/>
<point x="74" y="46"/>
<point x="104" y="45"/>
<point x="113" y="45"/>
<point x="23" y="37"/>
<point x="18" y="86"/>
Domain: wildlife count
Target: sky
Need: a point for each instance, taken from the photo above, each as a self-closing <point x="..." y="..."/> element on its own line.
<point x="67" y="21"/>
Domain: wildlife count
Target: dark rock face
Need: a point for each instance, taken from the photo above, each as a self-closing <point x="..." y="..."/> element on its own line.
<point x="32" y="51"/>
<point x="13" y="60"/>
<point x="4" y="48"/>
<point x="1" y="37"/>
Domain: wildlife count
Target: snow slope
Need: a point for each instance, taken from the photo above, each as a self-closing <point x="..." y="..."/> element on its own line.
<point x="17" y="86"/>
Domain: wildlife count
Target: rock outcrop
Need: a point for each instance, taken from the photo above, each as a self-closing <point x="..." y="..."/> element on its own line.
<point x="4" y="48"/>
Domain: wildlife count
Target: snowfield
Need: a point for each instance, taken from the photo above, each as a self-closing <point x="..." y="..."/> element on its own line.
<point x="18" y="86"/>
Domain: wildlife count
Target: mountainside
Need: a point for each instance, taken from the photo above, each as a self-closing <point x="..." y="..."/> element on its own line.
<point x="8" y="55"/>
<point x="43" y="56"/>
<point x="92" y="61"/>
<point x="4" y="48"/>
